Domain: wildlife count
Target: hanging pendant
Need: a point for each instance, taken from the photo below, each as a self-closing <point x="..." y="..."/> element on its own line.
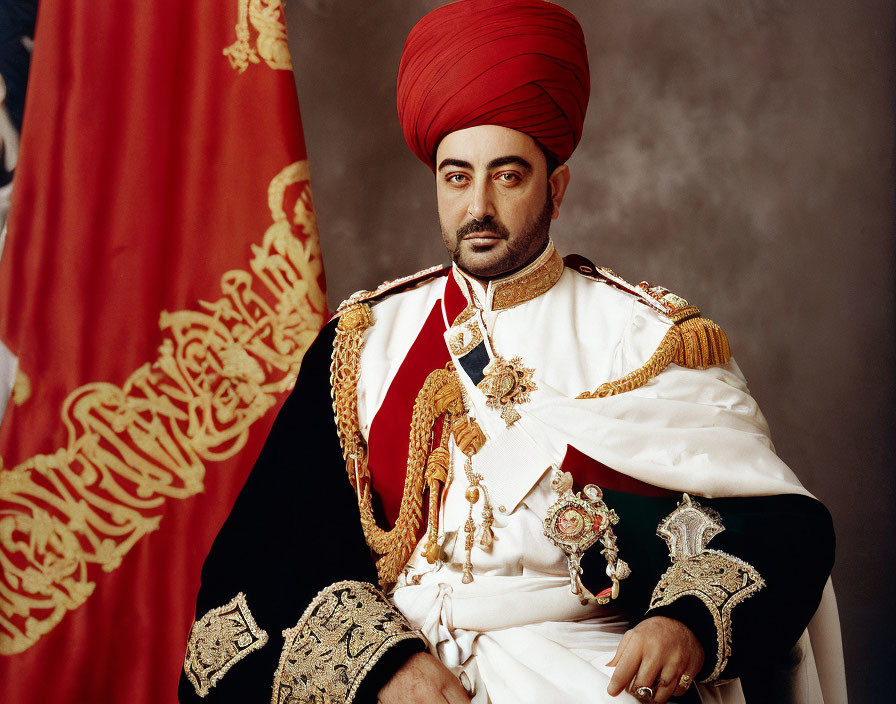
<point x="506" y="384"/>
<point x="574" y="523"/>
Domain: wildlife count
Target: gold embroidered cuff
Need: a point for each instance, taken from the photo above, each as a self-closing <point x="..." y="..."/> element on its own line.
<point x="219" y="640"/>
<point x="719" y="580"/>
<point x="338" y="640"/>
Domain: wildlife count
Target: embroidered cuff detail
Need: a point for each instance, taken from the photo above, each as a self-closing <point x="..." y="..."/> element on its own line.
<point x="218" y="641"/>
<point x="719" y="580"/>
<point x="338" y="640"/>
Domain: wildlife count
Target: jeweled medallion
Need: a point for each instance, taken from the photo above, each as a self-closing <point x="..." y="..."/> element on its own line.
<point x="506" y="384"/>
<point x="574" y="523"/>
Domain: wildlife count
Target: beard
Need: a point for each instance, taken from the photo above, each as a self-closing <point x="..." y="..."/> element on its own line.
<point x="518" y="250"/>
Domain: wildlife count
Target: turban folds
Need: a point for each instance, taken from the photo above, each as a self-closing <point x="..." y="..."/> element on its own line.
<point x="520" y="64"/>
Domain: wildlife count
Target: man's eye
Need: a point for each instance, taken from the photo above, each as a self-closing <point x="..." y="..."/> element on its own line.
<point x="456" y="179"/>
<point x="508" y="177"/>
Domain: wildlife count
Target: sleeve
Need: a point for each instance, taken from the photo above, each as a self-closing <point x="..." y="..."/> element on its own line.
<point x="745" y="574"/>
<point x="287" y="610"/>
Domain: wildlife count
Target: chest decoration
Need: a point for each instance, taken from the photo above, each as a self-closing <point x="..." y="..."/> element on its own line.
<point x="574" y="523"/>
<point x="506" y="384"/>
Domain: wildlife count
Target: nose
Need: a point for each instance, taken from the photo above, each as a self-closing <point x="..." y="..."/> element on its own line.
<point x="481" y="204"/>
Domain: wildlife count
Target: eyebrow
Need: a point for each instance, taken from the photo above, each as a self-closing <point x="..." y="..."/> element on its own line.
<point x="493" y="164"/>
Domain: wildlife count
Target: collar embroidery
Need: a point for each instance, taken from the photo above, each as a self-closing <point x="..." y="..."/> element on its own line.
<point x="520" y="287"/>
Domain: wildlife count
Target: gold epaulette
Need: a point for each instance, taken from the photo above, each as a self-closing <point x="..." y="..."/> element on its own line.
<point x="390" y="287"/>
<point x="693" y="341"/>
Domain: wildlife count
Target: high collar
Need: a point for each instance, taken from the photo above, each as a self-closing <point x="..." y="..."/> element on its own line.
<point x="531" y="281"/>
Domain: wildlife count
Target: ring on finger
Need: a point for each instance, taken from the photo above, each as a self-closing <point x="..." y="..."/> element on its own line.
<point x="644" y="693"/>
<point x="684" y="681"/>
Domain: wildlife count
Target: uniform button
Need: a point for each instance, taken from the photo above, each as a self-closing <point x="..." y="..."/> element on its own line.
<point x="502" y="509"/>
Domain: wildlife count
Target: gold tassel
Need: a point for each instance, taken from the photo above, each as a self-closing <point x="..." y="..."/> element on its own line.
<point x="694" y="342"/>
<point x="703" y="344"/>
<point x="436" y="476"/>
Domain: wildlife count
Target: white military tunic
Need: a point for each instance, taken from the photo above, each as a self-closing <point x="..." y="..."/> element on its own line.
<point x="517" y="633"/>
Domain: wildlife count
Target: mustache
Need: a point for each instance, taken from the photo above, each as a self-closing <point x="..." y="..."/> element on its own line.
<point x="487" y="224"/>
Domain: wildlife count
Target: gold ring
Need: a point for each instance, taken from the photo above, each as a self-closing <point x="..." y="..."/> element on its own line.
<point x="684" y="681"/>
<point x="644" y="692"/>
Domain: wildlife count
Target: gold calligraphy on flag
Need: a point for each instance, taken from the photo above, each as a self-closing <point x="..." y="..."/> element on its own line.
<point x="260" y="36"/>
<point x="219" y="369"/>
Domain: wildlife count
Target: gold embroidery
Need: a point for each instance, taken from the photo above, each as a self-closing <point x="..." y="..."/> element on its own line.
<point x="525" y="286"/>
<point x="505" y="385"/>
<point x="440" y="394"/>
<point x="457" y="345"/>
<point x="574" y="523"/>
<point x="464" y="316"/>
<point x="79" y="511"/>
<point x="719" y="580"/>
<point x="340" y="637"/>
<point x="267" y="20"/>
<point x="218" y="641"/>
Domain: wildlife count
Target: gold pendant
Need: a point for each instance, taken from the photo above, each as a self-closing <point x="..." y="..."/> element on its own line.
<point x="505" y="385"/>
<point x="574" y="523"/>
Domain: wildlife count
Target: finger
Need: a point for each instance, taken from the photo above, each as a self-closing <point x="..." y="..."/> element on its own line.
<point x="620" y="649"/>
<point x="691" y="671"/>
<point x="667" y="682"/>
<point x="679" y="689"/>
<point x="626" y="668"/>
<point x="647" y="674"/>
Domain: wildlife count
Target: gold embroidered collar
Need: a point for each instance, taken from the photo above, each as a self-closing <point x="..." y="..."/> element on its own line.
<point x="521" y="286"/>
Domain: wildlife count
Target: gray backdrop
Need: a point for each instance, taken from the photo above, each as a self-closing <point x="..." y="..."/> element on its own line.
<point x="739" y="152"/>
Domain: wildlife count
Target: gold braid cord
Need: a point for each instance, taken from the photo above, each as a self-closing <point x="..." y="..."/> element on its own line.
<point x="440" y="395"/>
<point x="338" y="640"/>
<point x="721" y="581"/>
<point x="693" y="342"/>
<point x="76" y="513"/>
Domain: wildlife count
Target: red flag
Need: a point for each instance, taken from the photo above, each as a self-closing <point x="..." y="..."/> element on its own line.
<point x="161" y="280"/>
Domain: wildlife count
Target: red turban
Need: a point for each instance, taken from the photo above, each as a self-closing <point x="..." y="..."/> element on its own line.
<point x="520" y="64"/>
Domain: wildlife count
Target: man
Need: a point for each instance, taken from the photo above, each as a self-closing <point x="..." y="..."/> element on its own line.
<point x="511" y="432"/>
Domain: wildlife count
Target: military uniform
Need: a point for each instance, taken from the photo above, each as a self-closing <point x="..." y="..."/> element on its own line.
<point x="524" y="470"/>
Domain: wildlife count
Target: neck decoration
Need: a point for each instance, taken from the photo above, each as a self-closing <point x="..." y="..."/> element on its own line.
<point x="522" y="286"/>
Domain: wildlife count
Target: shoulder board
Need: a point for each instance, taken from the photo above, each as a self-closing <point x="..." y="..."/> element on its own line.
<point x="657" y="297"/>
<point x="394" y="286"/>
<point x="703" y="343"/>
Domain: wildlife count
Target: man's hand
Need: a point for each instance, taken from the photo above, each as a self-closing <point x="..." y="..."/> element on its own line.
<point x="655" y="654"/>
<point x="421" y="680"/>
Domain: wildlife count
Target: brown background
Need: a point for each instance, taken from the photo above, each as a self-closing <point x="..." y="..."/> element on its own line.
<point x="739" y="152"/>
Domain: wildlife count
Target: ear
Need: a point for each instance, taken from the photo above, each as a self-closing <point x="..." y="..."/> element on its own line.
<point x="558" y="180"/>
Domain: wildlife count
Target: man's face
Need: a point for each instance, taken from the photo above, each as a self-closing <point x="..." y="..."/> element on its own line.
<point x="495" y="205"/>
